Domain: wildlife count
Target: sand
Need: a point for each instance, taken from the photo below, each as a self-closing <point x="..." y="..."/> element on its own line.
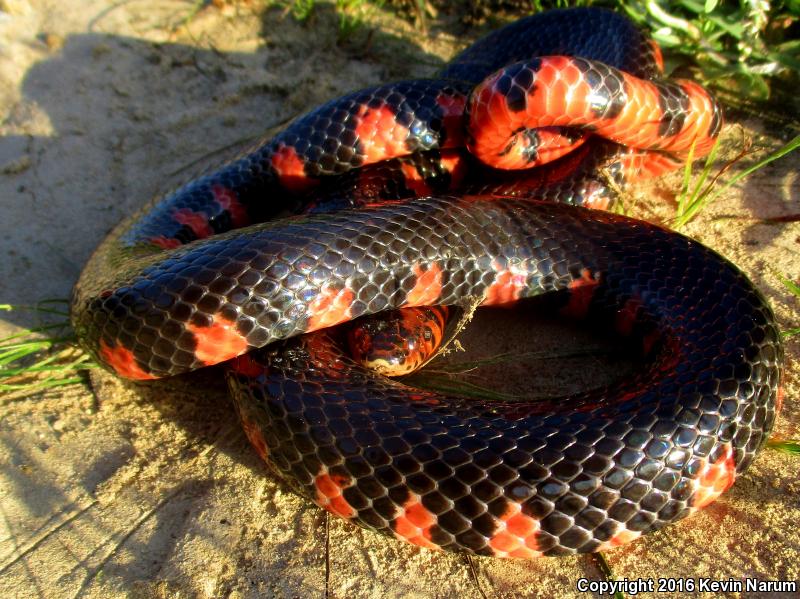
<point x="112" y="489"/>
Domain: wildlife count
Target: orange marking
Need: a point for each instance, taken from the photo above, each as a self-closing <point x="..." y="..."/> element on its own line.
<point x="228" y="200"/>
<point x="552" y="145"/>
<point x="657" y="55"/>
<point x="454" y="163"/>
<point x="490" y="122"/>
<point x="218" y="342"/>
<point x="655" y="164"/>
<point x="381" y="203"/>
<point x="632" y="163"/>
<point x="564" y="93"/>
<point x="291" y="169"/>
<point x="507" y="286"/>
<point x="581" y="292"/>
<point x="638" y="123"/>
<point x="196" y="221"/>
<point x="561" y="96"/>
<point x="516" y="534"/>
<point x="595" y="197"/>
<point x="626" y="317"/>
<point x="247" y="366"/>
<point x="481" y="198"/>
<point x="714" y="479"/>
<point x="325" y="355"/>
<point x="621" y="537"/>
<point x="671" y="353"/>
<point x="423" y="397"/>
<point x="639" y="165"/>
<point x="428" y="286"/>
<point x="649" y="341"/>
<point x="452" y="106"/>
<point x="330" y="493"/>
<point x="558" y="96"/>
<point x="380" y="135"/>
<point x="779" y="399"/>
<point x="414" y="180"/>
<point x="330" y="307"/>
<point x="165" y="242"/>
<point x="414" y="523"/>
<point x="255" y="437"/>
<point x="123" y="362"/>
<point x="696" y="127"/>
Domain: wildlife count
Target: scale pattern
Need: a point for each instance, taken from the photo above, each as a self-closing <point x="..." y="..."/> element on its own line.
<point x="198" y="278"/>
<point x="574" y="474"/>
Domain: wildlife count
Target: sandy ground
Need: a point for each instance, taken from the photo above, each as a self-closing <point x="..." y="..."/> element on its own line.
<point x="112" y="489"/>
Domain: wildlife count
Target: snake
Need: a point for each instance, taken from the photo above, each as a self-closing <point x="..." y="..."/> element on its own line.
<point x="380" y="200"/>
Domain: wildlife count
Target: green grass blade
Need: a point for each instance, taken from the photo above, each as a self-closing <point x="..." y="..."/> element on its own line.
<point x="45" y="341"/>
<point x="43" y="356"/>
<point x="36" y="308"/>
<point x="32" y="346"/>
<point x="20" y="353"/>
<point x="710" y="194"/>
<point x="38" y="329"/>
<point x="704" y="174"/>
<point x="693" y="202"/>
<point x="462" y="367"/>
<point x="790" y="447"/>
<point x="793" y="287"/>
<point x="445" y="384"/>
<point x="46" y="384"/>
<point x="605" y="568"/>
<point x="791" y="146"/>
<point x="441" y="377"/>
<point x="698" y="199"/>
<point x="45" y="365"/>
<point x="687" y="177"/>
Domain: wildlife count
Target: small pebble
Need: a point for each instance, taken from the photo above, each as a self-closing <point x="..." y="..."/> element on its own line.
<point x="52" y="40"/>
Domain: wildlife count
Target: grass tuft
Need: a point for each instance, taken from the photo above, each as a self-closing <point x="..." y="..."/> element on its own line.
<point x="705" y="192"/>
<point x="43" y="356"/>
<point x="738" y="48"/>
<point x="790" y="447"/>
<point x="301" y="9"/>
<point x="351" y="16"/>
<point x="351" y="13"/>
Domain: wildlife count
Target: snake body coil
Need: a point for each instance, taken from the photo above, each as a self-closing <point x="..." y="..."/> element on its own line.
<point x="195" y="280"/>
